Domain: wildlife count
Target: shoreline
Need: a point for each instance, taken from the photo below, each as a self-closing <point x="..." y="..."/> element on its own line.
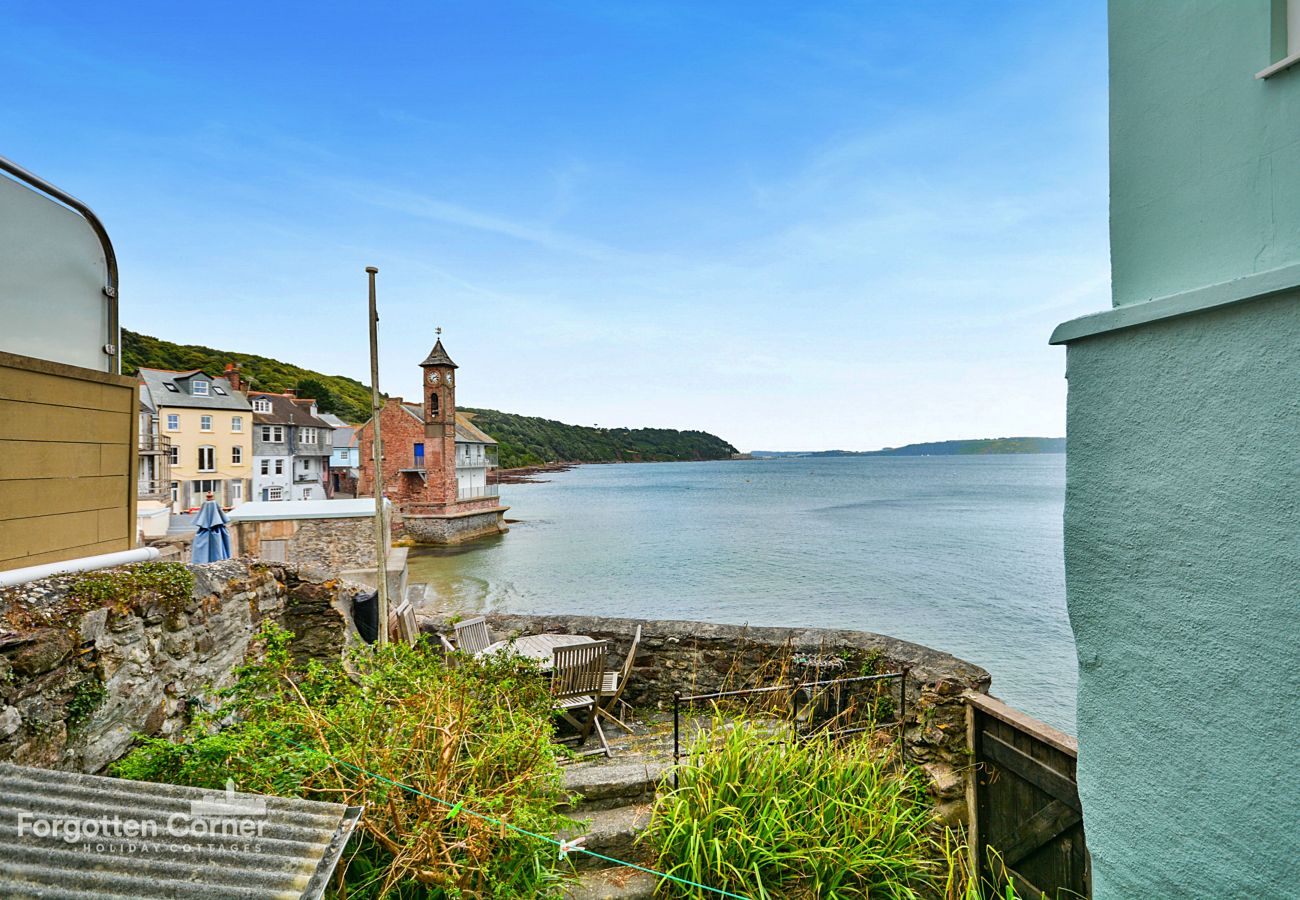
<point x="525" y="474"/>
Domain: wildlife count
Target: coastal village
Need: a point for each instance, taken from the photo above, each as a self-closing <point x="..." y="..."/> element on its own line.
<point x="218" y="677"/>
<point x="213" y="437"/>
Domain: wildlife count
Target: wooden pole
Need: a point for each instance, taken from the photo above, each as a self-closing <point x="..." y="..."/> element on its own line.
<point x="381" y="524"/>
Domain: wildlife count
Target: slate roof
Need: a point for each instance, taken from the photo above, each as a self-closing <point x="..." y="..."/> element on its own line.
<point x="333" y="420"/>
<point x="466" y="431"/>
<point x="293" y="857"/>
<point x="438" y="357"/>
<point x="286" y="410"/>
<point x="471" y="433"/>
<point x="156" y="381"/>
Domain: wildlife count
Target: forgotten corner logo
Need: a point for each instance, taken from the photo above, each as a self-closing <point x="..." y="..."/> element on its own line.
<point x="211" y="822"/>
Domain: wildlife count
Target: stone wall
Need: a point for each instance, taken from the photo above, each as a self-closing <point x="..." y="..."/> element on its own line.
<point x="73" y="694"/>
<point x="326" y="544"/>
<point x="453" y="529"/>
<point x="700" y="657"/>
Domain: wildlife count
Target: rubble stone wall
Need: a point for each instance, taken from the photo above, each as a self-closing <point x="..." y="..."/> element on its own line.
<point x="73" y="694"/>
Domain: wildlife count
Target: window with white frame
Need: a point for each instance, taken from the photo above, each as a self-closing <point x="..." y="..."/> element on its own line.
<point x="306" y="493"/>
<point x="236" y="424"/>
<point x="273" y="434"/>
<point x="261" y="405"/>
<point x="1284" y="38"/>
<point x="236" y="491"/>
<point x="199" y="388"/>
<point x="279" y="467"/>
<point x="176" y="491"/>
<point x="266" y="467"/>
<point x="275" y="493"/>
<point x="237" y="456"/>
<point x="205" y="423"/>
<point x="307" y="435"/>
<point x="207" y="459"/>
<point x="174" y="455"/>
<point x="173" y="422"/>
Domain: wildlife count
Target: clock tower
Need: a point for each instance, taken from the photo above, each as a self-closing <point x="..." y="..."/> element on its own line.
<point x="440" y="424"/>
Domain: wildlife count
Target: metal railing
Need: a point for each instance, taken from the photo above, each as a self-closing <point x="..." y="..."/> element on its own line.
<point x="806" y="700"/>
<point x="155" y="443"/>
<point x="154" y="488"/>
<point x="306" y="477"/>
<point x="484" y="490"/>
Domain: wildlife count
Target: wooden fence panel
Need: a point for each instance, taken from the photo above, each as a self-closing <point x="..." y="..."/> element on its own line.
<point x="1026" y="803"/>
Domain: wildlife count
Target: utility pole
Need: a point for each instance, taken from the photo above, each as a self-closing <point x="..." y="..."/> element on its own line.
<point x="381" y="525"/>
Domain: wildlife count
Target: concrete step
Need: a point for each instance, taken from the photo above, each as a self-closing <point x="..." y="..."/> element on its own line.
<point x="613" y="884"/>
<point x="616" y="782"/>
<point x="611" y="832"/>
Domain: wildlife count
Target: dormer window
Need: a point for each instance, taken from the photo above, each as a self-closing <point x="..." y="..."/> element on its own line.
<point x="261" y="405"/>
<point x="199" y="388"/>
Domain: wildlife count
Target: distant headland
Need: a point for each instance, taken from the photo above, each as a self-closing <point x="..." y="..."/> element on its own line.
<point x="978" y="447"/>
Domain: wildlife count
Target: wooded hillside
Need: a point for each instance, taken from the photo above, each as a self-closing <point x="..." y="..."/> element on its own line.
<point x="523" y="440"/>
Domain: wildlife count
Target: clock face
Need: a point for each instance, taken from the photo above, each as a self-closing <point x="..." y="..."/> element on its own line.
<point x="433" y="378"/>
<point x="448" y="379"/>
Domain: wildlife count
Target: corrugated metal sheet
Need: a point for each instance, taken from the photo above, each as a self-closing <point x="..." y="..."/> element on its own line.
<point x="200" y="844"/>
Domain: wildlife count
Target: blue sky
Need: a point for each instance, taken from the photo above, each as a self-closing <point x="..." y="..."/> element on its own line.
<point x="797" y="225"/>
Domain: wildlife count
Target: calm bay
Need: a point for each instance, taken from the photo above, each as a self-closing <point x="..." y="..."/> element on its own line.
<point x="960" y="553"/>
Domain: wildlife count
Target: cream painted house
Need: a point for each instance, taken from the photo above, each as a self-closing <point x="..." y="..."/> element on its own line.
<point x="210" y="426"/>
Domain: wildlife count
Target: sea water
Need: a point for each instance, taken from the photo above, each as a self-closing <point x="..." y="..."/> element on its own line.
<point x="960" y="553"/>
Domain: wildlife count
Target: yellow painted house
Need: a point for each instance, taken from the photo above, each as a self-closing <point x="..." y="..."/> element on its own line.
<point x="210" y="426"/>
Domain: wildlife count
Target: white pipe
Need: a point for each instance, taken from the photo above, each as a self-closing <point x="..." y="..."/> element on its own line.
<point x="85" y="564"/>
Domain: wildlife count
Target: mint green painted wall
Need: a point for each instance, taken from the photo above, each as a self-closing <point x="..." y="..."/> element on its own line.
<point x="1182" y="552"/>
<point x="1205" y="159"/>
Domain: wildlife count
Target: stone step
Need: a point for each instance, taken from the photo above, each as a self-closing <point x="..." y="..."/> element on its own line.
<point x="613" y="884"/>
<point x="610" y="783"/>
<point x="611" y="832"/>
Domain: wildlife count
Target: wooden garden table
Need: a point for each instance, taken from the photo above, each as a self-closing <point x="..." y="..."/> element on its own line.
<point x="540" y="647"/>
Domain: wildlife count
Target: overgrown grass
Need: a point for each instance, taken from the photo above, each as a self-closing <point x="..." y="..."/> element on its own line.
<point x="763" y="816"/>
<point x="476" y="734"/>
<point x="809" y="818"/>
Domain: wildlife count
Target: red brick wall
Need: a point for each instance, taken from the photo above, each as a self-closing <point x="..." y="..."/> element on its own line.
<point x="401" y="431"/>
<point x="436" y="492"/>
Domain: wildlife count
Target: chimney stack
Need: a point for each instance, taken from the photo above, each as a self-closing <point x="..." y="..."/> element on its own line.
<point x="232" y="375"/>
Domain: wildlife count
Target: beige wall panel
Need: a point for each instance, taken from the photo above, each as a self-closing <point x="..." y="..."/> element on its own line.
<point x="39" y="422"/>
<point x="39" y="459"/>
<point x="31" y="498"/>
<point x="113" y="525"/>
<point x="38" y="559"/>
<point x="115" y="459"/>
<point x="45" y="534"/>
<point x="53" y="390"/>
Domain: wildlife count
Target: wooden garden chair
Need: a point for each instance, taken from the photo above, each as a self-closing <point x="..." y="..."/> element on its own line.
<point x="407" y="628"/>
<point x="472" y="636"/>
<point x="613" y="683"/>
<point x="576" y="688"/>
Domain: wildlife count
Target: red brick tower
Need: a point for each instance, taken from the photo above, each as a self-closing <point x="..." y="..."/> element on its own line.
<point x="439" y="426"/>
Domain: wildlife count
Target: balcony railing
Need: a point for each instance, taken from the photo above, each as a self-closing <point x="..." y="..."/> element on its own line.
<point x="486" y="461"/>
<point x="306" y="477"/>
<point x="483" y="490"/>
<point x="154" y="489"/>
<point x="155" y="443"/>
